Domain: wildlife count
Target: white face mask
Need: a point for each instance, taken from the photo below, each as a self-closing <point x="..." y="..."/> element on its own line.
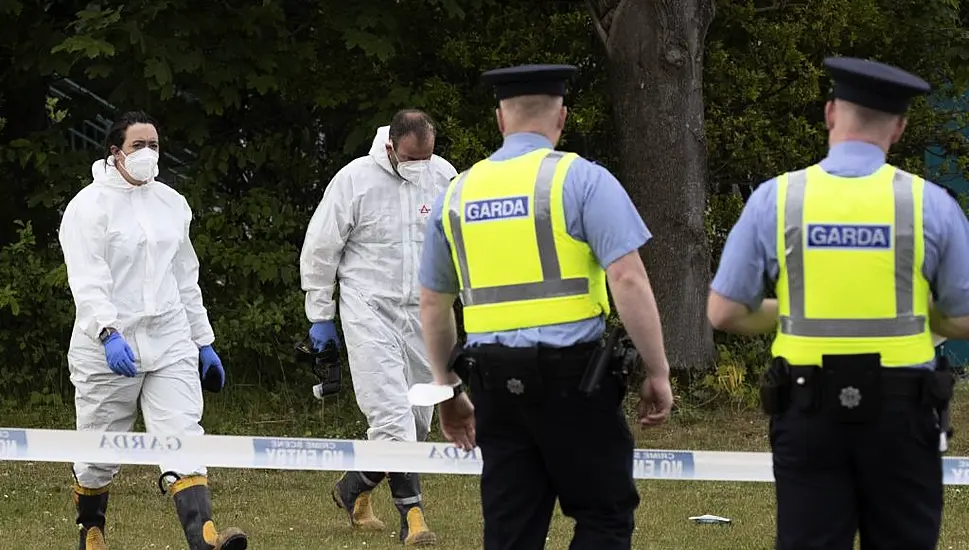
<point x="412" y="170"/>
<point x="141" y="165"/>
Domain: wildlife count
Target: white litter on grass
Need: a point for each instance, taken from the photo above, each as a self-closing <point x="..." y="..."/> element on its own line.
<point x="710" y="519"/>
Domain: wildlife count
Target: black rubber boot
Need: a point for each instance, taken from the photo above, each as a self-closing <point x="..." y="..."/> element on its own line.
<point x="353" y="494"/>
<point x="406" y="490"/>
<point x="91" y="505"/>
<point x="193" y="503"/>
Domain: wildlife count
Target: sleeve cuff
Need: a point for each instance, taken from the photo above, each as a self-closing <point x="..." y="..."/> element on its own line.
<point x="753" y="304"/>
<point x="440" y="289"/>
<point x="952" y="310"/>
<point x="99" y="328"/>
<point x="630" y="247"/>
<point x="206" y="340"/>
<point x="319" y="305"/>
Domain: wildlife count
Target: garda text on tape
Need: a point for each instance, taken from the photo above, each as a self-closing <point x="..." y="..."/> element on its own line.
<point x="292" y="453"/>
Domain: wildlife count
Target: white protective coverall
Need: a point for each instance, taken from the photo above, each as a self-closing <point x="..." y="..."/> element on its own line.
<point x="368" y="232"/>
<point x="131" y="266"/>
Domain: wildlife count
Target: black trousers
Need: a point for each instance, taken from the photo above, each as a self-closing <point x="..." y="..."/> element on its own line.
<point x="882" y="479"/>
<point x="565" y="445"/>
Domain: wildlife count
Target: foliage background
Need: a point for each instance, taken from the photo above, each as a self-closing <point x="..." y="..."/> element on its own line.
<point x="263" y="102"/>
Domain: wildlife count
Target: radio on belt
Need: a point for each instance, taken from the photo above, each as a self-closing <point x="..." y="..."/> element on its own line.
<point x="325" y="365"/>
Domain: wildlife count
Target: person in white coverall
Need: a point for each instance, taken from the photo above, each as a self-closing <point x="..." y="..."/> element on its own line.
<point x="140" y="330"/>
<point x="367" y="232"/>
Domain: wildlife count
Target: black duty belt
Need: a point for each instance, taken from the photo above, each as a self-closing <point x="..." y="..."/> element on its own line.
<point x="893" y="383"/>
<point x="523" y="372"/>
<point x="553" y="362"/>
<point x="853" y="387"/>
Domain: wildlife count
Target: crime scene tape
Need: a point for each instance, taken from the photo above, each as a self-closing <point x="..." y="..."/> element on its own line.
<point x="290" y="453"/>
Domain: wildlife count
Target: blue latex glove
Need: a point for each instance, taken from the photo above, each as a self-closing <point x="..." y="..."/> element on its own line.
<point x="322" y="333"/>
<point x="121" y="360"/>
<point x="210" y="369"/>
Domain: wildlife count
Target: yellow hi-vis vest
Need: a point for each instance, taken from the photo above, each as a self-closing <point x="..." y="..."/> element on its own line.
<point x="850" y="252"/>
<point x="516" y="263"/>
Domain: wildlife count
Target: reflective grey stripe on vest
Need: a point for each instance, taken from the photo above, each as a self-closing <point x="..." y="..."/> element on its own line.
<point x="905" y="323"/>
<point x="552" y="285"/>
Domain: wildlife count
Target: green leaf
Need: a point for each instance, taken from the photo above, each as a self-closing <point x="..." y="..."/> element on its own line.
<point x="158" y="69"/>
<point x="98" y="70"/>
<point x="262" y="83"/>
<point x="91" y="47"/>
<point x="369" y="43"/>
<point x="11" y="7"/>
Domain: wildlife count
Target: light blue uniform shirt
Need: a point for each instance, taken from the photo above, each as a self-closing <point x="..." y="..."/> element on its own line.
<point x="598" y="211"/>
<point x="749" y="261"/>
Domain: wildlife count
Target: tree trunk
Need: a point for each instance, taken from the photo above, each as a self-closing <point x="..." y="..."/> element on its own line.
<point x="655" y="52"/>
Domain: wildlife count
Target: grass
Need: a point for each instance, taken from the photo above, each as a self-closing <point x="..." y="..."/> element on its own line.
<point x="293" y="510"/>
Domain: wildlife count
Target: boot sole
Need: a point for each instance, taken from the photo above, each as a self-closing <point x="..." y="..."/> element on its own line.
<point x="235" y="542"/>
<point x="422" y="539"/>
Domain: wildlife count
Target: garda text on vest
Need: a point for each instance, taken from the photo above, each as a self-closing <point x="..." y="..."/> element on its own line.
<point x="830" y="235"/>
<point x="496" y="209"/>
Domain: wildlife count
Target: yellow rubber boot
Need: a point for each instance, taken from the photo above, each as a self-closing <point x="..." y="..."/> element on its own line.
<point x="414" y="530"/>
<point x="354" y="497"/>
<point x="91" y="505"/>
<point x="193" y="503"/>
<point x="92" y="539"/>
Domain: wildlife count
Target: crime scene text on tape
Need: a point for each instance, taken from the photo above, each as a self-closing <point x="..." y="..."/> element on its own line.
<point x="291" y="453"/>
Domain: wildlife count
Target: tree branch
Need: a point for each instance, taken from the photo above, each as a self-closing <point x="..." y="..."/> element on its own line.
<point x="771" y="93"/>
<point x="597" y="24"/>
<point x="617" y="11"/>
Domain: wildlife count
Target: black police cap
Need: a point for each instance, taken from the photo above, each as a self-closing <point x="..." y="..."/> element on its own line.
<point x="529" y="80"/>
<point x="874" y="85"/>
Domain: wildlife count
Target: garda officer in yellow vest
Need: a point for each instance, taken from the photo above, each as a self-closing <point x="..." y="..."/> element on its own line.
<point x="529" y="238"/>
<point x="855" y="247"/>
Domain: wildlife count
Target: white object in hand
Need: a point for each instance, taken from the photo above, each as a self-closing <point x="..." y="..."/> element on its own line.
<point x="426" y="395"/>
